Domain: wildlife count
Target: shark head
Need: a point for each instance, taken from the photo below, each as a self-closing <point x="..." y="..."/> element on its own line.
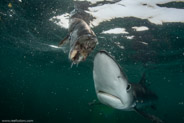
<point x="112" y="87"/>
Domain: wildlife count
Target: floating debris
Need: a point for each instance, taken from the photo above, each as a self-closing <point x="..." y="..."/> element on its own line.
<point x="10" y="5"/>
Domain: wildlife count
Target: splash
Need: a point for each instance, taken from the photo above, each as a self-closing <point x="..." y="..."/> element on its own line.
<point x="61" y="20"/>
<point x="116" y="31"/>
<point x="142" y="9"/>
<point x="141" y="28"/>
<point x="54" y="46"/>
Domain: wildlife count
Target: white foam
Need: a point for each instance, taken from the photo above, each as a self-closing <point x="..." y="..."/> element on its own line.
<point x="54" y="46"/>
<point x="129" y="37"/>
<point x="115" y="31"/>
<point x="94" y="1"/>
<point x="62" y="20"/>
<point x="119" y="45"/>
<point x="144" y="43"/>
<point x="142" y="9"/>
<point x="20" y="0"/>
<point x="143" y="1"/>
<point x="141" y="28"/>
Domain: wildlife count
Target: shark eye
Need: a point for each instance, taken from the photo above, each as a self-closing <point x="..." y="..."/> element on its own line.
<point x="128" y="87"/>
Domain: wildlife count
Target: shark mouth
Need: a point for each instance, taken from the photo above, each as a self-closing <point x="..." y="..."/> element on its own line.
<point x="110" y="100"/>
<point x="108" y="95"/>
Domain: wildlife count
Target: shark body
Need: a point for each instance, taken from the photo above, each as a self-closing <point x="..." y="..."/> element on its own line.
<point x="113" y="88"/>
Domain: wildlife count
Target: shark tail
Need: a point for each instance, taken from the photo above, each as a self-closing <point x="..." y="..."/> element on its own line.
<point x="148" y="116"/>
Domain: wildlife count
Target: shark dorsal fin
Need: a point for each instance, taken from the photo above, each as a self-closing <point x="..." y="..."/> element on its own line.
<point x="143" y="79"/>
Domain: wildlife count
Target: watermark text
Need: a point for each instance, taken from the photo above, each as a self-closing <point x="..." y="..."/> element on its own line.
<point x="17" y="121"/>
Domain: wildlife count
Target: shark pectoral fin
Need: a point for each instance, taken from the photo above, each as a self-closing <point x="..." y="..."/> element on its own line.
<point x="63" y="41"/>
<point x="94" y="102"/>
<point x="153" y="107"/>
<point x="150" y="117"/>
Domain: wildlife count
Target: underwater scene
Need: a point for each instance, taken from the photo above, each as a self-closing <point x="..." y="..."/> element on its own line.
<point x="59" y="60"/>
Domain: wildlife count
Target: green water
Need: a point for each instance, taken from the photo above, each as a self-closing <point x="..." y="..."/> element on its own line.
<point x="37" y="82"/>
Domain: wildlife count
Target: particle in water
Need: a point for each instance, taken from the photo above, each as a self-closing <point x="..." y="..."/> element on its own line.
<point x="100" y="113"/>
<point x="10" y="5"/>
